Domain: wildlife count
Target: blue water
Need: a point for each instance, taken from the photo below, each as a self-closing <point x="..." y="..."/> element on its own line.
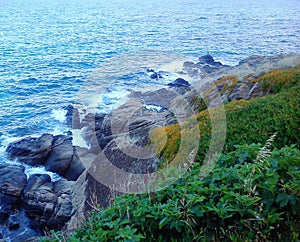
<point x="48" y="49"/>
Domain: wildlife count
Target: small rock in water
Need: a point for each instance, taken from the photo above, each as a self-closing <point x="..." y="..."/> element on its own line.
<point x="179" y="82"/>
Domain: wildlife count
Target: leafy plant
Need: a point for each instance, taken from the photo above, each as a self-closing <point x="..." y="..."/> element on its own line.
<point x="242" y="199"/>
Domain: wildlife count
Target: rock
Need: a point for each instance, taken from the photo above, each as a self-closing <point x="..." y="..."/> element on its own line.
<point x="155" y="75"/>
<point x="179" y="82"/>
<point x="12" y="183"/>
<point x="73" y="117"/>
<point x="253" y="60"/>
<point x="18" y="228"/>
<point x="63" y="159"/>
<point x="47" y="204"/>
<point x="75" y="168"/>
<point x="62" y="212"/>
<point x="62" y="186"/>
<point x="61" y="155"/>
<point x="56" y="153"/>
<point x="88" y="193"/>
<point x="32" y="151"/>
<point x="162" y="97"/>
<point x="39" y="199"/>
<point x="206" y="59"/>
<point x="63" y="209"/>
<point x="180" y="86"/>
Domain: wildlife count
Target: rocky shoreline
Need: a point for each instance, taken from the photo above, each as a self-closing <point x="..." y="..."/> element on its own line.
<point x="29" y="207"/>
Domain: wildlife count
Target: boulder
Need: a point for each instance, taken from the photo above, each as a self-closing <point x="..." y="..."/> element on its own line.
<point x="32" y="151"/>
<point x="56" y="153"/>
<point x="47" y="204"/>
<point x="12" y="183"/>
<point x="73" y="117"/>
<point x="155" y="75"/>
<point x="179" y="82"/>
<point x="180" y="86"/>
<point x="39" y="199"/>
<point x="61" y="155"/>
<point x="75" y="168"/>
<point x="208" y="59"/>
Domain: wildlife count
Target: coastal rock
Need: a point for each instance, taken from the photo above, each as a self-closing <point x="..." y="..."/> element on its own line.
<point x="56" y="153"/>
<point x="73" y="117"/>
<point x="208" y="59"/>
<point x="39" y="199"/>
<point x="155" y="75"/>
<point x="32" y="151"/>
<point x="47" y="205"/>
<point x="253" y="60"/>
<point x="61" y="155"/>
<point x="179" y="82"/>
<point x="205" y="67"/>
<point x="88" y="193"/>
<point x="180" y="86"/>
<point x="162" y="97"/>
<point x="12" y="183"/>
<point x="18" y="228"/>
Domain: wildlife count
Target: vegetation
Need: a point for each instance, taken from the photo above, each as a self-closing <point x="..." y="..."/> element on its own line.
<point x="252" y="194"/>
<point x="251" y="121"/>
<point x="277" y="80"/>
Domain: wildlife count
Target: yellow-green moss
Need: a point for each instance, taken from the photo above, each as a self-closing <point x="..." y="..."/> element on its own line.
<point x="276" y="80"/>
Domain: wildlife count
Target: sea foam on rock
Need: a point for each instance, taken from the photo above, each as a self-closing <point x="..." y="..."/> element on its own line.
<point x="56" y="153"/>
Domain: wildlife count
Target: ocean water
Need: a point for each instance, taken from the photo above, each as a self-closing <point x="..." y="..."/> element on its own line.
<point x="49" y="49"/>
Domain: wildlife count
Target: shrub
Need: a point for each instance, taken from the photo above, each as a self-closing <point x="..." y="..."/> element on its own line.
<point x="243" y="199"/>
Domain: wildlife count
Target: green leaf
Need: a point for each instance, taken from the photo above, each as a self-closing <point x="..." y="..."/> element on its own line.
<point x="163" y="222"/>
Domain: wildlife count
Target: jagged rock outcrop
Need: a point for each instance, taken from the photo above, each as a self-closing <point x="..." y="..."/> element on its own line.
<point x="47" y="204"/>
<point x="12" y="183"/>
<point x="32" y="151"/>
<point x="56" y="153"/>
<point x="14" y="224"/>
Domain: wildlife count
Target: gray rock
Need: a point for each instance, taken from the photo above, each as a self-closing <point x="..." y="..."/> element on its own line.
<point x="12" y="183"/>
<point x="61" y="155"/>
<point x="32" y="151"/>
<point x="47" y="204"/>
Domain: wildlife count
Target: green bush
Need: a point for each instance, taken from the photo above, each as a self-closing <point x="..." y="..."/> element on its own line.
<point x="247" y="197"/>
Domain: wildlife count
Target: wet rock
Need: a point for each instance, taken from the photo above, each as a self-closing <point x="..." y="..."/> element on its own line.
<point x="39" y="199"/>
<point x="18" y="228"/>
<point x="179" y="82"/>
<point x="47" y="204"/>
<point x="208" y="59"/>
<point x="155" y="75"/>
<point x="73" y="117"/>
<point x="61" y="155"/>
<point x="56" y="153"/>
<point x="32" y="151"/>
<point x="12" y="183"/>
<point x="63" y="159"/>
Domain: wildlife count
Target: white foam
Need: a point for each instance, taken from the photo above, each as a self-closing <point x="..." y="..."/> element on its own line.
<point x="31" y="170"/>
<point x="78" y="140"/>
<point x="59" y="115"/>
<point x="154" y="108"/>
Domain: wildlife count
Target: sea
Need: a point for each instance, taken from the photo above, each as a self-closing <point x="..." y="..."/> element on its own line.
<point x="50" y="51"/>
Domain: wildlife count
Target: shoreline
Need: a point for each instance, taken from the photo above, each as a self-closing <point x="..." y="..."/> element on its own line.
<point x="68" y="198"/>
